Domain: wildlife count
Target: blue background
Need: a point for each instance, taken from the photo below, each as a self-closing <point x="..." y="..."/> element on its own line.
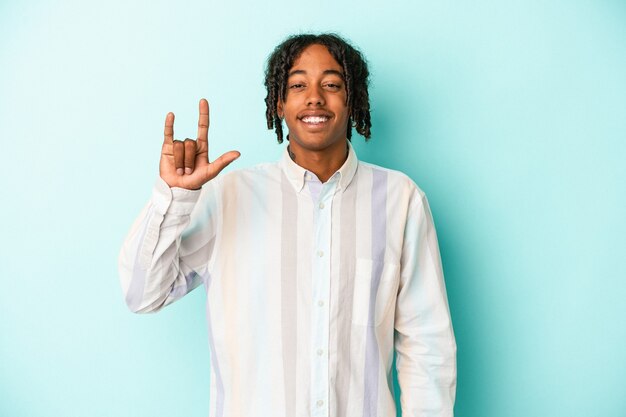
<point x="510" y="115"/>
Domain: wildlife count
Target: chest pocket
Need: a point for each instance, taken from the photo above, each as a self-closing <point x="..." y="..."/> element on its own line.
<point x="375" y="291"/>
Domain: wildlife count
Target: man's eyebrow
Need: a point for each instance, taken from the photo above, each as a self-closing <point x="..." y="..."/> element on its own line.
<point x="326" y="72"/>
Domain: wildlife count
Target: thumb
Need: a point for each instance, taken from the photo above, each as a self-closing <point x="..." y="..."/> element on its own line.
<point x="215" y="167"/>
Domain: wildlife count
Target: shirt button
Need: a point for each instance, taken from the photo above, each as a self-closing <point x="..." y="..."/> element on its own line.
<point x="320" y="403"/>
<point x="320" y="352"/>
<point x="320" y="303"/>
<point x="320" y="253"/>
<point x="321" y="205"/>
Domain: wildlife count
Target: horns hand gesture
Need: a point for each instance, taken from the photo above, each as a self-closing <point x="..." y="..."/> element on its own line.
<point x="185" y="164"/>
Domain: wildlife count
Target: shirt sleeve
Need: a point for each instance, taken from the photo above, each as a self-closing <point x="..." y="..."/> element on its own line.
<point x="424" y="340"/>
<point x="166" y="253"/>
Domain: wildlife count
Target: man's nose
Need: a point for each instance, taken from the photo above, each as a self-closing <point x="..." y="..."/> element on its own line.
<point x="315" y="97"/>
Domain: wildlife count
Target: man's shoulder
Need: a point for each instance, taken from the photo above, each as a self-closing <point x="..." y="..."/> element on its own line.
<point x="395" y="179"/>
<point x="259" y="168"/>
<point x="259" y="171"/>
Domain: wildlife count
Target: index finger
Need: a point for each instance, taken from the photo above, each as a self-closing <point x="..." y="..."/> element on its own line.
<point x="203" y="121"/>
<point x="169" y="128"/>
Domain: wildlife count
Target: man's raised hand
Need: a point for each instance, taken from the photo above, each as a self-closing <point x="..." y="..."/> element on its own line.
<point x="185" y="164"/>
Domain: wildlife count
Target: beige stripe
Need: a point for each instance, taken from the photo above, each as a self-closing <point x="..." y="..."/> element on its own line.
<point x="304" y="294"/>
<point x="233" y="310"/>
<point x="289" y="307"/>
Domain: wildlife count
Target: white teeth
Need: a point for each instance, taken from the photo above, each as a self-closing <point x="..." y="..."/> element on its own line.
<point x="314" y="119"/>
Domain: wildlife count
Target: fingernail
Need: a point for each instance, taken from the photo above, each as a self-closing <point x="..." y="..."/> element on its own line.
<point x="179" y="171"/>
<point x="187" y="170"/>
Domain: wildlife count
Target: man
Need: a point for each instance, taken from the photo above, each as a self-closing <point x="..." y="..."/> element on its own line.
<point x="315" y="267"/>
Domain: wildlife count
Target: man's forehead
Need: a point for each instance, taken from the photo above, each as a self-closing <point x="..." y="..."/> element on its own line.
<point x="330" y="71"/>
<point x="314" y="57"/>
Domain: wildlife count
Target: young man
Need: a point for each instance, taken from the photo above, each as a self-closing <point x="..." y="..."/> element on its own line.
<point x="315" y="267"/>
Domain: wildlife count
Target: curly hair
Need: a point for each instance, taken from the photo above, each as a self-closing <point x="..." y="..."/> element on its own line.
<point x="355" y="71"/>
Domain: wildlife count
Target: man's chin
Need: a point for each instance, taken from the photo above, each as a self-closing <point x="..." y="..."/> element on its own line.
<point x="314" y="142"/>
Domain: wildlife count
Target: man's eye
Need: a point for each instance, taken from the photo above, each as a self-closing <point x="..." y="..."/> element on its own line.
<point x="296" y="86"/>
<point x="333" y="86"/>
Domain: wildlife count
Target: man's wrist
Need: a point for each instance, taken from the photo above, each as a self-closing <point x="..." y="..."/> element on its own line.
<point x="174" y="200"/>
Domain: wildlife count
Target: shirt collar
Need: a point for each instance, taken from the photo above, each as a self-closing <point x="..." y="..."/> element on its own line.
<point x="296" y="174"/>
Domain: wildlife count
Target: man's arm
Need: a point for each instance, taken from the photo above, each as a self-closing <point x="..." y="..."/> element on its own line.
<point x="163" y="258"/>
<point x="424" y="338"/>
<point x="166" y="253"/>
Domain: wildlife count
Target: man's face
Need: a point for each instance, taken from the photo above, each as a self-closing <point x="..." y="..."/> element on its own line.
<point x="315" y="107"/>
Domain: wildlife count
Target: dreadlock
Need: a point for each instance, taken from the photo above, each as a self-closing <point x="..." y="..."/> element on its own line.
<point x="355" y="73"/>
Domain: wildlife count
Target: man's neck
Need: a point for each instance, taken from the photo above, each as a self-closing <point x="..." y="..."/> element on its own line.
<point x="322" y="163"/>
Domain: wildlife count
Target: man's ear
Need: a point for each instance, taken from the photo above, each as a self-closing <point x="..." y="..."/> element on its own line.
<point x="279" y="109"/>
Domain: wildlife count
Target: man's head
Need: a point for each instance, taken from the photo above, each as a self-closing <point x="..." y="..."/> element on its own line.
<point x="319" y="79"/>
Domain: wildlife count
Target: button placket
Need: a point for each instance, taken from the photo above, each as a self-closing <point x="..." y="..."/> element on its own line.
<point x="321" y="292"/>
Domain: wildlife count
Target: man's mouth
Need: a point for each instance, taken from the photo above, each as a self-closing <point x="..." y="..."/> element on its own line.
<point x="315" y="120"/>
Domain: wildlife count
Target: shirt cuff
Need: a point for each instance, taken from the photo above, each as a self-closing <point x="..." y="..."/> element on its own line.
<point x="177" y="201"/>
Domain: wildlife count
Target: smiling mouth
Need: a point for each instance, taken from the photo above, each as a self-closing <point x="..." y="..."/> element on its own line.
<point x="315" y="120"/>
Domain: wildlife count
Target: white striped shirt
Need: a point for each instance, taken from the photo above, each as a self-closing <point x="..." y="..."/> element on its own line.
<point x="310" y="287"/>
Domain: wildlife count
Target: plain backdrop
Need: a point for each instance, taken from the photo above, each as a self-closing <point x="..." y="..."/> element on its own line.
<point x="510" y="115"/>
